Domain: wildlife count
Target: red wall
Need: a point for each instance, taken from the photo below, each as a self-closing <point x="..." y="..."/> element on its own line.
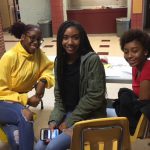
<point x="56" y="14"/>
<point x="136" y="19"/>
<point x="58" y="18"/>
<point x="97" y="21"/>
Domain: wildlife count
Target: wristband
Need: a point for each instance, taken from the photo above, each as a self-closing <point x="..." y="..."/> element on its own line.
<point x="44" y="81"/>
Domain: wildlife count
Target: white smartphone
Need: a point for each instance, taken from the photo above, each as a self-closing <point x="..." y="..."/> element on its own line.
<point x="47" y="134"/>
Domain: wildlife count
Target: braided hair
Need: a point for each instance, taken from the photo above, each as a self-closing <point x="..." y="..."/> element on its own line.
<point x="84" y="48"/>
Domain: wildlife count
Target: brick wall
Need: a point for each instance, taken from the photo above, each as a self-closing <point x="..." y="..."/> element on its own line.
<point x="136" y="21"/>
<point x="2" y="45"/>
<point x="137" y="18"/>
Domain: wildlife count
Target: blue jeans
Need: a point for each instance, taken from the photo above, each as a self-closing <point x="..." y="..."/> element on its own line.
<point x="111" y="112"/>
<point x="12" y="119"/>
<point x="61" y="142"/>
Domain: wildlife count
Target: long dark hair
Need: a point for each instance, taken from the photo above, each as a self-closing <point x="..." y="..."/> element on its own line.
<point x="84" y="48"/>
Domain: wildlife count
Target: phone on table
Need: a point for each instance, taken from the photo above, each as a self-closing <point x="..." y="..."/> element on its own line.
<point x="47" y="134"/>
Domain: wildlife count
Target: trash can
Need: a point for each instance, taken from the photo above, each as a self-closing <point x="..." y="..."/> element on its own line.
<point x="46" y="28"/>
<point x="122" y="25"/>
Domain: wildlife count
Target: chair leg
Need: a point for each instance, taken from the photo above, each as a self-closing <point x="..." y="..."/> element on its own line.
<point x="42" y="106"/>
<point x="147" y="130"/>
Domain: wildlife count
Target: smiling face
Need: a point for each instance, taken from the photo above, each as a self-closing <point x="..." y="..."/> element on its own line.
<point x="135" y="54"/>
<point x="31" y="41"/>
<point x="71" y="41"/>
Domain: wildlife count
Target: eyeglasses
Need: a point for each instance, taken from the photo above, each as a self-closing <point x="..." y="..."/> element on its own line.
<point x="33" y="39"/>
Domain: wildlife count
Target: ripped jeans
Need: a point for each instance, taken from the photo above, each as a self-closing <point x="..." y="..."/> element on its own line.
<point x="17" y="127"/>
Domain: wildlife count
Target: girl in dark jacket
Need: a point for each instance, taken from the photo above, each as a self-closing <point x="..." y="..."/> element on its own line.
<point x="80" y="84"/>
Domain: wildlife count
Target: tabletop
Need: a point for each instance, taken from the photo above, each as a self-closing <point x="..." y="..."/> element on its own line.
<point x="117" y="70"/>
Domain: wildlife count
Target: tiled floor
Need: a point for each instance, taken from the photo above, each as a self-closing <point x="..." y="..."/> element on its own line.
<point x="101" y="43"/>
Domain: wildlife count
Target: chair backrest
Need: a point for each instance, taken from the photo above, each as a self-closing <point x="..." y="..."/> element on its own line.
<point x="142" y="130"/>
<point x="101" y="134"/>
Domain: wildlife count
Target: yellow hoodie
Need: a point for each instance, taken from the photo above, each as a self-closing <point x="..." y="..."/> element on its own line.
<point x="19" y="72"/>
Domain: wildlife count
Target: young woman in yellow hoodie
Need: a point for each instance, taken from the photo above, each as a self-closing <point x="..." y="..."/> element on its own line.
<point x="22" y="67"/>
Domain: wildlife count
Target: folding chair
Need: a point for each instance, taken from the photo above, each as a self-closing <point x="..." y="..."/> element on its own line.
<point x="142" y="130"/>
<point x="101" y="134"/>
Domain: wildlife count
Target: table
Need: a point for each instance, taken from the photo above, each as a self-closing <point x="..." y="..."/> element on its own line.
<point x="118" y="71"/>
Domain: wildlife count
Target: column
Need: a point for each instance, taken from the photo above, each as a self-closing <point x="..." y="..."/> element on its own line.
<point x="2" y="45"/>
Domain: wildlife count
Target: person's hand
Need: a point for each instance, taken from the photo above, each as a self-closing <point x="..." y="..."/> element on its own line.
<point x="40" y="89"/>
<point x="52" y="126"/>
<point x="63" y="126"/>
<point x="33" y="101"/>
<point x="28" y="114"/>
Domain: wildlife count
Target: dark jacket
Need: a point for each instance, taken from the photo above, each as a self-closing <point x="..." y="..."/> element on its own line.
<point x="92" y="103"/>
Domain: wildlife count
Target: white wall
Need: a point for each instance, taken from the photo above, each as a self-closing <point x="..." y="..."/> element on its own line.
<point x="96" y="3"/>
<point x="65" y="7"/>
<point x="129" y="2"/>
<point x="32" y="11"/>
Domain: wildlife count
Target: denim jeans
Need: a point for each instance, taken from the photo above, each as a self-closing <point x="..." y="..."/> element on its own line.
<point x="12" y="119"/>
<point x="61" y="142"/>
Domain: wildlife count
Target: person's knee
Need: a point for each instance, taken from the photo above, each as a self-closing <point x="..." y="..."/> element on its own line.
<point x="16" y="136"/>
<point x="27" y="114"/>
<point x="40" y="145"/>
<point x="12" y="133"/>
<point x="111" y="112"/>
<point x="53" y="146"/>
<point x="62" y="141"/>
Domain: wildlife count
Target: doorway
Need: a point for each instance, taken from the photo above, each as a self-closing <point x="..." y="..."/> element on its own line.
<point x="147" y="15"/>
<point x="9" y="11"/>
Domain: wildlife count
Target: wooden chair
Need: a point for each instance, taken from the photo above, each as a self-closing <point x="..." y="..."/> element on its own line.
<point x="142" y="130"/>
<point x="101" y="134"/>
<point x="3" y="137"/>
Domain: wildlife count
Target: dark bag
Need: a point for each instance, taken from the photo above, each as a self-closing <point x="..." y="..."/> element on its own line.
<point x="128" y="97"/>
<point x="125" y="97"/>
